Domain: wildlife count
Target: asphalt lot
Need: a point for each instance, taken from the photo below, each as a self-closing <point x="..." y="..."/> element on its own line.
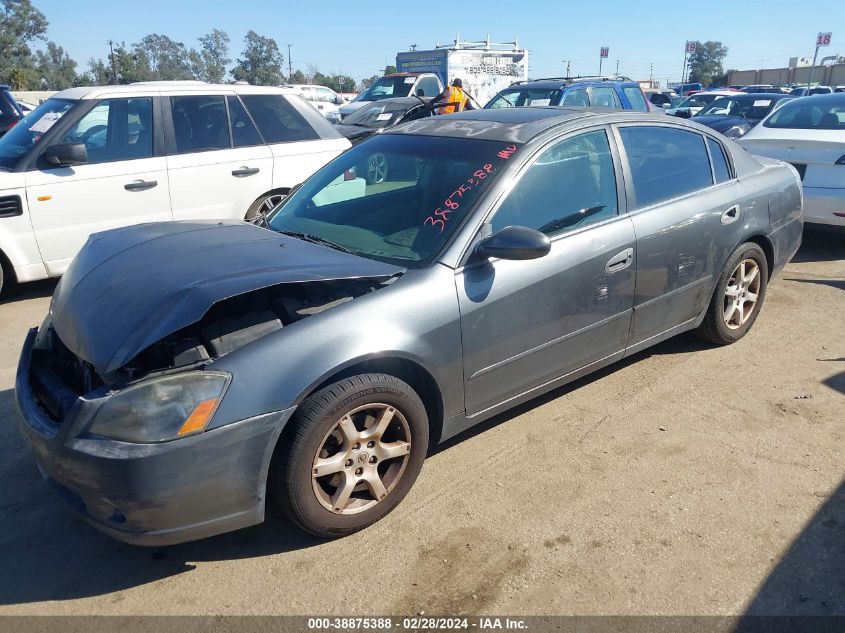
<point x="685" y="480"/>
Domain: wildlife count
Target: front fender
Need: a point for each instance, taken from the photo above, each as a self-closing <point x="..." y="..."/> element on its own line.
<point x="416" y="318"/>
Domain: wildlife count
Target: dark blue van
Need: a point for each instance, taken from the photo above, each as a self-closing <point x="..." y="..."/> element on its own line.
<point x="601" y="92"/>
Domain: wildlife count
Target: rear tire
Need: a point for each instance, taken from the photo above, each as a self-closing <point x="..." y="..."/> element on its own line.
<point x="350" y="455"/>
<point x="738" y="297"/>
<point x="265" y="204"/>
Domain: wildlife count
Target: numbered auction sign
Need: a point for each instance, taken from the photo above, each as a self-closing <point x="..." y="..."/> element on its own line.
<point x="690" y="47"/>
<point x="605" y="51"/>
<point x="823" y="39"/>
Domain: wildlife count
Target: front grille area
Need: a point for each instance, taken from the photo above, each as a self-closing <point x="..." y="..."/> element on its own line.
<point x="10" y="206"/>
<point x="58" y="377"/>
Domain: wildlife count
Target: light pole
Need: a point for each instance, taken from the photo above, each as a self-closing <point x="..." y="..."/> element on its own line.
<point x="290" y="63"/>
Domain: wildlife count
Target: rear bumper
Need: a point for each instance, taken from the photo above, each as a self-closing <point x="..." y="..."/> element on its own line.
<point x="820" y="204"/>
<point x="786" y="240"/>
<point x="151" y="494"/>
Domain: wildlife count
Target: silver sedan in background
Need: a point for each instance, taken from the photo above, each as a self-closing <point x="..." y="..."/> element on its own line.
<point x="186" y="370"/>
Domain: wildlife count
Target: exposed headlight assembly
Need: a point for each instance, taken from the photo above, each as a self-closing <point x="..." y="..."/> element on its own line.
<point x="736" y="131"/>
<point x="162" y="409"/>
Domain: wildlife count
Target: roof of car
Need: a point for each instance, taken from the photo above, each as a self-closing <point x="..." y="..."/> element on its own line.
<point x="158" y="87"/>
<point x="562" y="82"/>
<point x="515" y="125"/>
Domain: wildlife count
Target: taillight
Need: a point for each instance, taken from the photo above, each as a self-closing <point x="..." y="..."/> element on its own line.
<point x="12" y="124"/>
<point x="841" y="160"/>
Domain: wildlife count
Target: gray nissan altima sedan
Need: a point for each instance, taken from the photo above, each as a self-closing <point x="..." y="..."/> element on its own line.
<point x="187" y="370"/>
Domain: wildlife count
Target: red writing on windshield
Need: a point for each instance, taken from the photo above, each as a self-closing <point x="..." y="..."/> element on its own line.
<point x="453" y="201"/>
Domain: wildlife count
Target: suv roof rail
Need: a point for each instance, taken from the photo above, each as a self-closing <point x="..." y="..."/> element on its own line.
<point x="578" y="78"/>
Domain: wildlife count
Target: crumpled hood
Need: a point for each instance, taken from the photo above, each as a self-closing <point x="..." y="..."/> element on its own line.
<point x="131" y="287"/>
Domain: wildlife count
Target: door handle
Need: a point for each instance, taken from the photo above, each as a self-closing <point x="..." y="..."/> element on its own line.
<point x="731" y="215"/>
<point x="140" y="185"/>
<point x="620" y="261"/>
<point x="245" y="171"/>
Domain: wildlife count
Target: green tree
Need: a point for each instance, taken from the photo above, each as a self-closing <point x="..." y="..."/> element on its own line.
<point x="20" y="25"/>
<point x="367" y="82"/>
<point x="260" y="63"/>
<point x="298" y="77"/>
<point x="99" y="73"/>
<point x="209" y="63"/>
<point x="705" y="63"/>
<point x="55" y="68"/>
<point x="389" y="69"/>
<point x="168" y="60"/>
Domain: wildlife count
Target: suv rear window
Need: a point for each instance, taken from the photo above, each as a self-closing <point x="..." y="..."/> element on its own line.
<point x="200" y="123"/>
<point x="635" y="96"/>
<point x="277" y="120"/>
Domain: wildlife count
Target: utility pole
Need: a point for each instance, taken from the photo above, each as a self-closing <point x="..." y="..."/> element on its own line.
<point x="651" y="71"/>
<point x="617" y="67"/>
<point x="113" y="61"/>
<point x="290" y="63"/>
<point x="567" y="66"/>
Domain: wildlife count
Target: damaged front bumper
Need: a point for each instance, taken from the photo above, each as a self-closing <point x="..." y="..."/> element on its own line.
<point x="151" y="494"/>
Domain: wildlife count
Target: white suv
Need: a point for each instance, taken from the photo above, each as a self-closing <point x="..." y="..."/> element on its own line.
<point x="92" y="159"/>
<point x="326" y="100"/>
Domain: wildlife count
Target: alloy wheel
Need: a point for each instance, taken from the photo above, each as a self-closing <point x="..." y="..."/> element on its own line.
<point x="741" y="293"/>
<point x="377" y="168"/>
<point x="361" y="459"/>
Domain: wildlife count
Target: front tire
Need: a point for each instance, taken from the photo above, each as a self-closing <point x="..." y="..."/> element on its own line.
<point x="352" y="453"/>
<point x="738" y="297"/>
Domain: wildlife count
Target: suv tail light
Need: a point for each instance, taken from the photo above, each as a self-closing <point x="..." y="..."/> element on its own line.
<point x="12" y="124"/>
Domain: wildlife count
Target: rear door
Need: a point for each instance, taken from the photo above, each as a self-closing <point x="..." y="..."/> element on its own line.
<point x="295" y="137"/>
<point x="685" y="224"/>
<point x="124" y="181"/>
<point x="218" y="163"/>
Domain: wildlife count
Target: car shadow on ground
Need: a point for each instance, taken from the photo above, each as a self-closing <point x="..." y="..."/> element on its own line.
<point x="33" y="290"/>
<point x="809" y="579"/>
<point x="818" y="245"/>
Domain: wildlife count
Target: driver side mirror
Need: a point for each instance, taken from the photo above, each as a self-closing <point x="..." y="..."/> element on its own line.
<point x="66" y="154"/>
<point x="515" y="242"/>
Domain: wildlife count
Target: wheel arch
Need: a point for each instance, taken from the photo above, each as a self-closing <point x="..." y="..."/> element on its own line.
<point x="406" y="369"/>
<point x="278" y="191"/>
<point x="9" y="276"/>
<point x="768" y="248"/>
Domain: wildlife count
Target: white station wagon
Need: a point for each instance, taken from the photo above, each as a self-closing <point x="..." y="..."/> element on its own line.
<point x="92" y="159"/>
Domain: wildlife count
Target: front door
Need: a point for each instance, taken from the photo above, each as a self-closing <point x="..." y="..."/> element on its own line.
<point x="218" y="164"/>
<point x="527" y="323"/>
<point x="122" y="183"/>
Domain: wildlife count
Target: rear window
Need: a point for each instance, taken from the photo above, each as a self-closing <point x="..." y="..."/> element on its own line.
<point x="635" y="96"/>
<point x="526" y="97"/>
<point x="818" y="113"/>
<point x="277" y="120"/>
<point x="720" y="164"/>
<point x="605" y="97"/>
<point x="665" y="162"/>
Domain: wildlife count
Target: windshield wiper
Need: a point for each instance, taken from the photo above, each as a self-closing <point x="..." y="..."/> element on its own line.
<point x="316" y="239"/>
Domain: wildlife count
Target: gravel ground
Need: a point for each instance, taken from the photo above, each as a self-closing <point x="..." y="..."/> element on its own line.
<point x="686" y="480"/>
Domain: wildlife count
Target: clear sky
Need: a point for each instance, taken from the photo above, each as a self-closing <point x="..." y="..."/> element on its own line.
<point x="359" y="37"/>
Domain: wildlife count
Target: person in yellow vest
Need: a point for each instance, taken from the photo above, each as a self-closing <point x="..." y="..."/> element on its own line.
<point x="453" y="99"/>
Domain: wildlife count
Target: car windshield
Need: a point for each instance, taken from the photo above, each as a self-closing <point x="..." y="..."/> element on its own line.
<point x="21" y="138"/>
<point x="697" y="101"/>
<point x="525" y="97"/>
<point x="746" y="107"/>
<point x="387" y="87"/>
<point x="818" y="113"/>
<point x="394" y="198"/>
<point x="378" y="115"/>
